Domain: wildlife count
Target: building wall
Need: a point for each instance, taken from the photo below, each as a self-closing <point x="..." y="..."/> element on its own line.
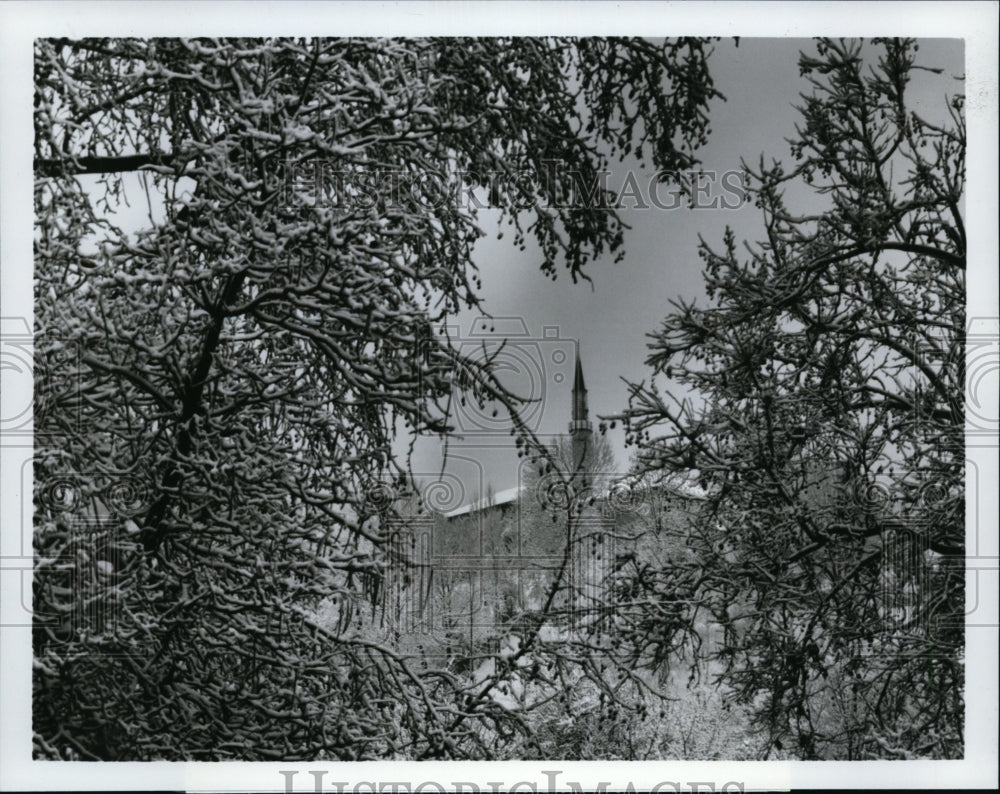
<point x="466" y="580"/>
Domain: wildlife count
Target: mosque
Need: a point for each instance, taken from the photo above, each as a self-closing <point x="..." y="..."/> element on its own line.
<point x="547" y="547"/>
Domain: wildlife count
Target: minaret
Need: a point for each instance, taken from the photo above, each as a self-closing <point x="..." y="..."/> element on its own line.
<point x="580" y="428"/>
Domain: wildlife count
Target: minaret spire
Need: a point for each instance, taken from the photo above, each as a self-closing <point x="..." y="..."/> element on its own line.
<point x="580" y="422"/>
<point x="580" y="429"/>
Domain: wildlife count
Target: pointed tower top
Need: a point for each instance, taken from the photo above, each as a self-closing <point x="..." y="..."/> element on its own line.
<point x="580" y="422"/>
<point x="578" y="385"/>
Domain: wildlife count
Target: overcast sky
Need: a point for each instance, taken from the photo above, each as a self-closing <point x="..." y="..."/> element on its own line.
<point x="610" y="318"/>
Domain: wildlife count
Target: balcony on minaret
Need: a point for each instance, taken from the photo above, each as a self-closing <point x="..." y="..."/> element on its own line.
<point x="580" y="426"/>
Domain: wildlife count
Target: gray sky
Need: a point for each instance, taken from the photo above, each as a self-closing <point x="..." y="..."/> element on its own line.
<point x="760" y="79"/>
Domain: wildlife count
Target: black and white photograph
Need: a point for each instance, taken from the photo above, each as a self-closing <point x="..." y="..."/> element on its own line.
<point x="500" y="389"/>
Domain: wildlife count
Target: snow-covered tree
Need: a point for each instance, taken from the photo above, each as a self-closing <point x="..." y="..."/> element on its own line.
<point x="221" y="382"/>
<point x="829" y="427"/>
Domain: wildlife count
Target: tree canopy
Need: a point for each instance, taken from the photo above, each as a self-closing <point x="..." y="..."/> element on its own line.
<point x="829" y="424"/>
<point x="219" y="388"/>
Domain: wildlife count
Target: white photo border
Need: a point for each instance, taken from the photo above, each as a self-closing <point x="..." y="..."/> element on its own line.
<point x="22" y="22"/>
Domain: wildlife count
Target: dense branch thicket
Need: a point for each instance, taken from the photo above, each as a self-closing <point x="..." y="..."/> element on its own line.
<point x="220" y="385"/>
<point x="829" y="428"/>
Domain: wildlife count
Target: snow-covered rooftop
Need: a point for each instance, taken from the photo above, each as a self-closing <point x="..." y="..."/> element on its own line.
<point x="490" y="500"/>
<point x="682" y="483"/>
